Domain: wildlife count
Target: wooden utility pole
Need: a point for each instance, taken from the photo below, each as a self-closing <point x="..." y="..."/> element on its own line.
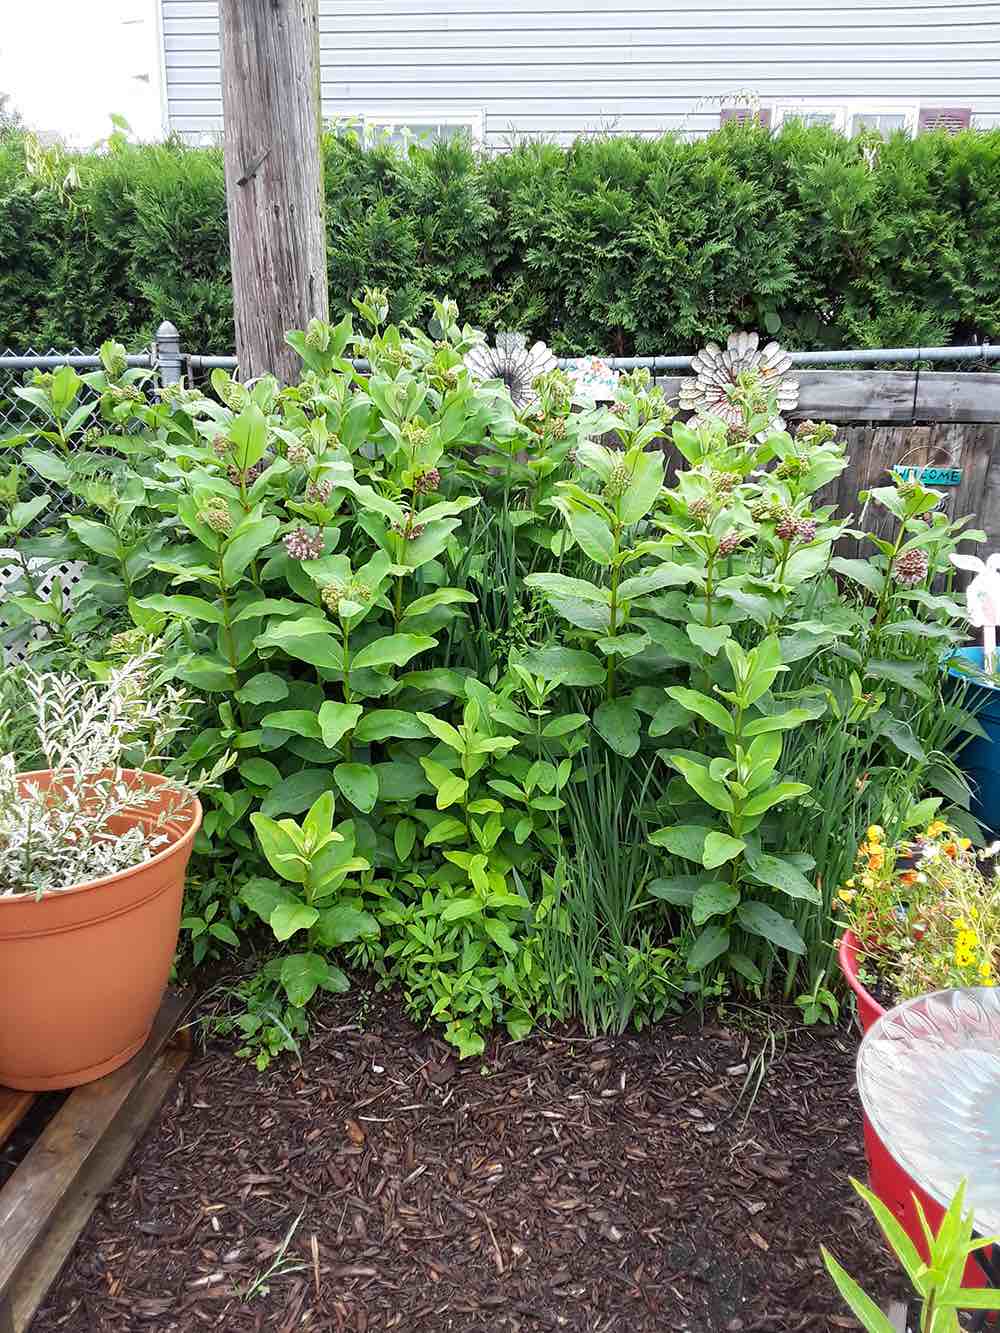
<point x="274" y="176"/>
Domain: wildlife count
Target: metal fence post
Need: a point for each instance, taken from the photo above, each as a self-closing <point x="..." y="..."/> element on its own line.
<point x="167" y="348"/>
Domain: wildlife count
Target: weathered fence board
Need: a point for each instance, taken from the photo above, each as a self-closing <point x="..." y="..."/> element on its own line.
<point x="889" y="395"/>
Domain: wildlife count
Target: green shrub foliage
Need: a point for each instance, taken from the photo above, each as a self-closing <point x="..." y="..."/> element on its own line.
<point x="506" y="715"/>
<point x="615" y="245"/>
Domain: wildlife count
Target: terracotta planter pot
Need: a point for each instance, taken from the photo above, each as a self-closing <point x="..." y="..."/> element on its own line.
<point x="83" y="970"/>
<point x="886" y="1177"/>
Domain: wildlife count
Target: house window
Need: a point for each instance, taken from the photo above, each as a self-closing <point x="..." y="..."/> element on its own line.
<point x="853" y="117"/>
<point x="391" y="125"/>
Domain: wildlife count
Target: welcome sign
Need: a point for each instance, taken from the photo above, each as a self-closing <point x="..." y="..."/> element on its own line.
<point x="930" y="476"/>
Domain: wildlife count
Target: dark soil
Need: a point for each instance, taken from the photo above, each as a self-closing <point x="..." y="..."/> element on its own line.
<point x="624" y="1185"/>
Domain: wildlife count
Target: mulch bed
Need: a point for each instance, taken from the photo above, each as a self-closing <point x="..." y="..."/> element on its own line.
<point x="620" y="1185"/>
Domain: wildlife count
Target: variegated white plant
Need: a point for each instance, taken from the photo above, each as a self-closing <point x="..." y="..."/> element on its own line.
<point x="54" y="836"/>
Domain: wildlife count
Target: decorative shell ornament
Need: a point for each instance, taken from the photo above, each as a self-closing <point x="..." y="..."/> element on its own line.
<point x="593" y="380"/>
<point x="982" y="597"/>
<point x="514" y="362"/>
<point x="715" y="390"/>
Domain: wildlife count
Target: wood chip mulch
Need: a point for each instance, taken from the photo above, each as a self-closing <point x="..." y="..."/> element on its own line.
<point x="622" y="1185"/>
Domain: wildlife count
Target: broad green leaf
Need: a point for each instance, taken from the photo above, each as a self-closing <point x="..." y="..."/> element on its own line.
<point x="779" y="874"/>
<point x="460" y="908"/>
<point x="404" y="835"/>
<point x="248" y="433"/>
<point x="678" y="889"/>
<point x="499" y="933"/>
<point x="444" y="731"/>
<point x="561" y="585"/>
<point x="187" y="608"/>
<point x="402" y="780"/>
<point x="50" y="466"/>
<point x="262" y="896"/>
<point x="442" y="597"/>
<point x="301" y="975"/>
<point x="287" y="918"/>
<point x="335" y="720"/>
<point x="562" y="726"/>
<point x="859" y="571"/>
<point x="713" y="941"/>
<point x="592" y="534"/>
<point x="393" y="650"/>
<point x="359" y="783"/>
<point x="668" y="717"/>
<point x="264" y="688"/>
<point x="248" y="540"/>
<point x="261" y="772"/>
<point x="381" y="723"/>
<point x="575" y="667"/>
<point x="715" y="899"/>
<point x="709" y="638"/>
<point x="662" y="576"/>
<point x="905" y="674"/>
<point x="710" y="709"/>
<point x="746" y="967"/>
<point x="720" y="848"/>
<point x="282" y="846"/>
<point x="687" y="840"/>
<point x="901" y="735"/>
<point x="278" y="606"/>
<point x="792" y="717"/>
<point x="700" y="780"/>
<point x="342" y="924"/>
<point x="644" y="489"/>
<point x="784" y="791"/>
<point x="580" y="614"/>
<point x="98" y="536"/>
<point x="294" y="795"/>
<point x="618" y="724"/>
<point x="759" y="919"/>
<point x="445" y="830"/>
<point x="299" y="720"/>
<point x="624" y="645"/>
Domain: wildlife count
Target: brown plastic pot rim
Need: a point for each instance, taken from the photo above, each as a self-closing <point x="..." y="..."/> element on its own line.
<point x="150" y="779"/>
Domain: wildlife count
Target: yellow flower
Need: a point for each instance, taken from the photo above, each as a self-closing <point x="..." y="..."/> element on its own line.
<point x="850" y="883"/>
<point x="984" y="969"/>
<point x="965" y="843"/>
<point x="989" y="983"/>
<point x="847" y="895"/>
<point x="875" y="833"/>
<point x="935" y="827"/>
<point x="867" y="882"/>
<point x="962" y="957"/>
<point x="959" y="923"/>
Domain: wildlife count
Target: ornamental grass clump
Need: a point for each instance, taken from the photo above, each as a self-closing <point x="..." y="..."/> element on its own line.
<point x="89" y="734"/>
<point x="925" y="913"/>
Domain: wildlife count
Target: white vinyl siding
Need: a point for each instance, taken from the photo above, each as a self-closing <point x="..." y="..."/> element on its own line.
<point x="559" y="68"/>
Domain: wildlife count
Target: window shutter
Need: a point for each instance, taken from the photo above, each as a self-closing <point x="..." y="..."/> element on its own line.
<point x="950" y="118"/>
<point x="741" y="114"/>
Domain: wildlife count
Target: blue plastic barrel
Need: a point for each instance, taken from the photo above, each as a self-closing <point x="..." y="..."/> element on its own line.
<point x="980" y="759"/>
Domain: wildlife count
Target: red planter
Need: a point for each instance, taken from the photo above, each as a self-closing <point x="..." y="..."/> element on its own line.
<point x="887" y="1178"/>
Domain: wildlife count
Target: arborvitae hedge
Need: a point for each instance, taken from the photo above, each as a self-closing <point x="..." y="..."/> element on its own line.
<point x="617" y="244"/>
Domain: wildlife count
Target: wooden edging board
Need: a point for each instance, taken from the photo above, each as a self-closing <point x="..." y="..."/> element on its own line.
<point x="47" y="1201"/>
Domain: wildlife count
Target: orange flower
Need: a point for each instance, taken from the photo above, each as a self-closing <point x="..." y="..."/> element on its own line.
<point x="950" y="849"/>
<point x="908" y="877"/>
<point x="876" y="858"/>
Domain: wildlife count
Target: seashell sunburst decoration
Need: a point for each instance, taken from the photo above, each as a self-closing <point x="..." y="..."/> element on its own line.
<point x="514" y="362"/>
<point x="714" y="390"/>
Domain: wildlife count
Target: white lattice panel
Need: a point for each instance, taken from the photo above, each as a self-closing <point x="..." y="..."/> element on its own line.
<point x="43" y="576"/>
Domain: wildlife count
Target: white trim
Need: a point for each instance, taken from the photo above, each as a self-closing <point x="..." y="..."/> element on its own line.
<point x="160" y="65"/>
<point x="473" y="118"/>
<point x="843" y="113"/>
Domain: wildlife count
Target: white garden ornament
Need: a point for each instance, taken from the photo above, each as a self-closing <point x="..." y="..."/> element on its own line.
<point x="983" y="599"/>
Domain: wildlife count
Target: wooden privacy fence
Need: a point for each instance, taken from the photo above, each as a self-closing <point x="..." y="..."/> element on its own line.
<point x="913" y="418"/>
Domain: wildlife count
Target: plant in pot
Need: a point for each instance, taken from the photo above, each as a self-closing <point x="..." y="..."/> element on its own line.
<point x="920" y="915"/>
<point x="93" y="851"/>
